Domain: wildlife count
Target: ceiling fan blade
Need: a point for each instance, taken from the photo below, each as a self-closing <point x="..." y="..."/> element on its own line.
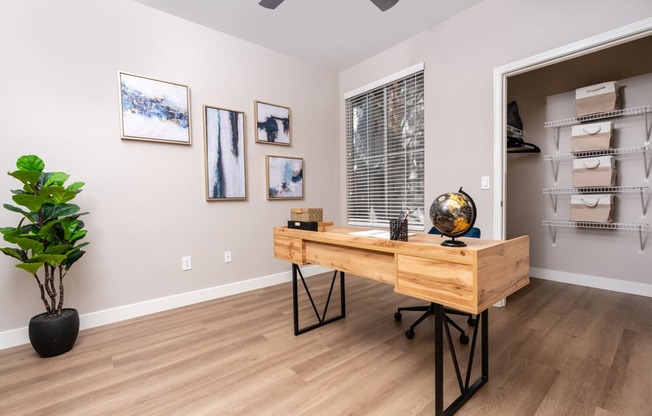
<point x="271" y="4"/>
<point x="384" y="4"/>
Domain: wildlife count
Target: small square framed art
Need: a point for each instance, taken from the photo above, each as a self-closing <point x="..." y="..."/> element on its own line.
<point x="284" y="177"/>
<point x="273" y="124"/>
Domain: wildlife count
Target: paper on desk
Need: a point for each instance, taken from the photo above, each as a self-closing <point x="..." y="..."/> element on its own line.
<point x="374" y="233"/>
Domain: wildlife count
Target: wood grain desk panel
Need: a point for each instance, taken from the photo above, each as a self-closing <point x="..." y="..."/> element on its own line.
<point x="469" y="279"/>
<point x="353" y="260"/>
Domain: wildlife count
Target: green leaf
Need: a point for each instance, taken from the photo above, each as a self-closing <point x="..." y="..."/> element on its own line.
<point x="76" y="186"/>
<point x="28" y="178"/>
<point x="52" y="259"/>
<point x="78" y="235"/>
<point x="51" y="211"/>
<point x="29" y="244"/>
<point x="12" y="208"/>
<point x="58" y="193"/>
<point x="30" y="163"/>
<point x="10" y="233"/>
<point x="59" y="249"/>
<point x="31" y="202"/>
<point x="72" y="258"/>
<point x="14" y="252"/>
<point x="56" y="178"/>
<point x="31" y="268"/>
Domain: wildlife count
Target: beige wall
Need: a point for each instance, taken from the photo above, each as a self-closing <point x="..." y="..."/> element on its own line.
<point x="59" y="86"/>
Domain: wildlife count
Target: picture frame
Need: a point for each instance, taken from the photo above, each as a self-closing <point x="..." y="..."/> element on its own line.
<point x="225" y="154"/>
<point x="284" y="177"/>
<point x="273" y="124"/>
<point x="154" y="110"/>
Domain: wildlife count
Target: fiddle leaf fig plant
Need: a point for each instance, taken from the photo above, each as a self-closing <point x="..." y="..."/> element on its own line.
<point x="47" y="238"/>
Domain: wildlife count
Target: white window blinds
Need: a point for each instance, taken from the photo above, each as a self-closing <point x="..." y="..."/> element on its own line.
<point x="385" y="153"/>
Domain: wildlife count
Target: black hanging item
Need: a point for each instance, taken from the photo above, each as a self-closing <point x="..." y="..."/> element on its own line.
<point x="515" y="142"/>
<point x="513" y="118"/>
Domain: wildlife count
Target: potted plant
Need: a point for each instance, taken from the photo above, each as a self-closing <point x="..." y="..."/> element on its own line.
<point x="47" y="244"/>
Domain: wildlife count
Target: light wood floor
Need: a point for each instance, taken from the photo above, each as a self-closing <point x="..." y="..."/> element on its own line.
<point x="556" y="349"/>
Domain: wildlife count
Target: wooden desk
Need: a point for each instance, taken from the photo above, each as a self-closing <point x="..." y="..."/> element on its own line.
<point x="468" y="279"/>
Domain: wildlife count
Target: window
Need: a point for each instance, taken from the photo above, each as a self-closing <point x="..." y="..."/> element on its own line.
<point x="385" y="153"/>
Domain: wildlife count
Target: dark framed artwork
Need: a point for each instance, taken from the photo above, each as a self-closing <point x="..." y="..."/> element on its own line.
<point x="273" y="123"/>
<point x="225" y="154"/>
<point x="154" y="110"/>
<point x="284" y="177"/>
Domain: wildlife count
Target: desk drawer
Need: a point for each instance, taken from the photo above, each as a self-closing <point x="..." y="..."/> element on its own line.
<point x="444" y="282"/>
<point x="364" y="263"/>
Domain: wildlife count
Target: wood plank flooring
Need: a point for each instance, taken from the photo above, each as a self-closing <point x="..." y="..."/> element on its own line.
<point x="555" y="350"/>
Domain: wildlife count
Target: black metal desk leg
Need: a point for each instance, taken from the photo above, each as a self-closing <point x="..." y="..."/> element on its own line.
<point x="321" y="318"/>
<point x="466" y="390"/>
<point x="440" y="319"/>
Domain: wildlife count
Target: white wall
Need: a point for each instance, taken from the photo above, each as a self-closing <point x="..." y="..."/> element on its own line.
<point x="460" y="55"/>
<point x="58" y="81"/>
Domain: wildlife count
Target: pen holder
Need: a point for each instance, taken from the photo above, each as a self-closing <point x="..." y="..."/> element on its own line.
<point x="398" y="230"/>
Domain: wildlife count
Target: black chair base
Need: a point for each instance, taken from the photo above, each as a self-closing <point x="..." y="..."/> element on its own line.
<point x="429" y="310"/>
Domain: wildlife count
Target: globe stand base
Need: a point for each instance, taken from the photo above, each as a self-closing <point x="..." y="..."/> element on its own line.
<point x="453" y="243"/>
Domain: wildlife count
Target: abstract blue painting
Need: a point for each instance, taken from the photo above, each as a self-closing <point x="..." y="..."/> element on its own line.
<point x="154" y="110"/>
<point x="272" y="123"/>
<point x="226" y="173"/>
<point x="284" y="177"/>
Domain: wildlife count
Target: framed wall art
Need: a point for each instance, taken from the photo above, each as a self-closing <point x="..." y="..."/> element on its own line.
<point x="284" y="177"/>
<point x="154" y="110"/>
<point x="225" y="154"/>
<point x="273" y="123"/>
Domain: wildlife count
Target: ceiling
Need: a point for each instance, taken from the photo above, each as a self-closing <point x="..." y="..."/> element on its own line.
<point x="335" y="34"/>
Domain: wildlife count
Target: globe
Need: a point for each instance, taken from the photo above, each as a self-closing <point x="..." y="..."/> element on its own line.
<point x="453" y="214"/>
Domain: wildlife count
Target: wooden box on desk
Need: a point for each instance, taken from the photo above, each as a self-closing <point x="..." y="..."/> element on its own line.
<point x="593" y="136"/>
<point x="307" y="214"/>
<point x="599" y="98"/>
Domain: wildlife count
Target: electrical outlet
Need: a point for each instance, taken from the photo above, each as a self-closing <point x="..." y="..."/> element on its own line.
<point x="227" y="256"/>
<point x="186" y="263"/>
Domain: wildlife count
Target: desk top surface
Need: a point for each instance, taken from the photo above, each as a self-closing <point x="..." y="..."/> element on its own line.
<point x="418" y="241"/>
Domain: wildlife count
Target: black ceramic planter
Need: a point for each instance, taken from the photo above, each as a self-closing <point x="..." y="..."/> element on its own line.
<point x="52" y="336"/>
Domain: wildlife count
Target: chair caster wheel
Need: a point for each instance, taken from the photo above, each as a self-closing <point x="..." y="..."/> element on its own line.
<point x="471" y="321"/>
<point x="464" y="339"/>
<point x="397" y="316"/>
<point x="409" y="334"/>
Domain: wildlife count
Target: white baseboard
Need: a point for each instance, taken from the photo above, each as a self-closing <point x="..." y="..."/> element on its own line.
<point x="19" y="336"/>
<point x="623" y="286"/>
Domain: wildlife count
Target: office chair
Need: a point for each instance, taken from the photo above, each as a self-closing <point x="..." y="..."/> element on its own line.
<point x="429" y="310"/>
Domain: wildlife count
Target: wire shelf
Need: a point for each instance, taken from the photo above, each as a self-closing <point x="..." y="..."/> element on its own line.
<point x="618" y="151"/>
<point x="597" y="225"/>
<point x="596" y="190"/>
<point x="633" y="111"/>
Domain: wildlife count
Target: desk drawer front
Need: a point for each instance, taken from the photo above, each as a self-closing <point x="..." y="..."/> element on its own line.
<point x="451" y="284"/>
<point x="289" y="249"/>
<point x="364" y="263"/>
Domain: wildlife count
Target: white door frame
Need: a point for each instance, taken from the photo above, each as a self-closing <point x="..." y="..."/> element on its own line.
<point x="605" y="40"/>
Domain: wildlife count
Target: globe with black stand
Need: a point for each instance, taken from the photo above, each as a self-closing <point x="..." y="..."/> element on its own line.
<point x="453" y="214"/>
